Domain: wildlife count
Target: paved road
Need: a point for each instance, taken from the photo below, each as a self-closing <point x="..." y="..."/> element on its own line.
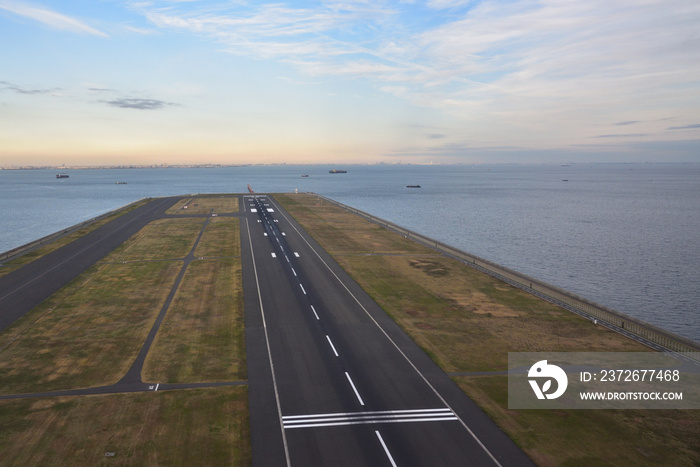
<point x="333" y="380"/>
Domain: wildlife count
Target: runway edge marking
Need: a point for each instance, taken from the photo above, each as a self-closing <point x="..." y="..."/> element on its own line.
<point x="269" y="352"/>
<point x="469" y="430"/>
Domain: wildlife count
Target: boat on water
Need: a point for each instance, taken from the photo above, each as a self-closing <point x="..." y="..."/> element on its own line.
<point x="412" y="186"/>
<point x="121" y="183"/>
<point x="337" y="171"/>
<point x="304" y="175"/>
<point x="62" y="175"/>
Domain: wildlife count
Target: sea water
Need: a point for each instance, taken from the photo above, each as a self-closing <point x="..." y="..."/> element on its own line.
<point x="624" y="235"/>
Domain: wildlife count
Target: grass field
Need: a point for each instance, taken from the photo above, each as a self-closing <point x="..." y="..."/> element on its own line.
<point x="202" y="337"/>
<point x="205" y="205"/>
<point x="175" y="428"/>
<point x="467" y="321"/>
<point x="89" y="333"/>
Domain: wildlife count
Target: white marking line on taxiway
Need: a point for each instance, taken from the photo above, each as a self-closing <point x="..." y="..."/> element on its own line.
<point x="386" y="450"/>
<point x="157" y="386"/>
<point x="332" y="347"/>
<point x="354" y="388"/>
<point x="302" y="289"/>
<point x="315" y="314"/>
<point x="294" y="272"/>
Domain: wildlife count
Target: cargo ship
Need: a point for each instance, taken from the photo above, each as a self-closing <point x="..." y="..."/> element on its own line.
<point x="337" y="171"/>
<point x="61" y="175"/>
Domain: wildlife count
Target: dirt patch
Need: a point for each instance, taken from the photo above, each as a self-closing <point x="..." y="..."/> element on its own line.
<point x="431" y="268"/>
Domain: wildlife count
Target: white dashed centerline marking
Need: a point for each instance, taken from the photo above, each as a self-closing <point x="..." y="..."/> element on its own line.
<point x="302" y="289"/>
<point x="386" y="450"/>
<point x="354" y="389"/>
<point x="315" y="314"/>
<point x="294" y="272"/>
<point x="332" y="346"/>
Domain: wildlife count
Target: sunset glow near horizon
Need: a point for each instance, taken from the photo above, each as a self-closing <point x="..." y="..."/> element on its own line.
<point x="110" y="82"/>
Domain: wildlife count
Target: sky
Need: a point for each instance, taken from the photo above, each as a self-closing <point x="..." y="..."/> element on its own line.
<point x="100" y="82"/>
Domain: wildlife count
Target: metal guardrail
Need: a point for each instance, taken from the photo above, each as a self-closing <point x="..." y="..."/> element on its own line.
<point x="637" y="329"/>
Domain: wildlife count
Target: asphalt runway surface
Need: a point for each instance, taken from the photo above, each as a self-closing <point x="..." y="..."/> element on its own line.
<point x="332" y="379"/>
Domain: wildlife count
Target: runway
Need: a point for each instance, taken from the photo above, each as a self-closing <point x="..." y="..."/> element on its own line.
<point x="30" y="285"/>
<point x="333" y="381"/>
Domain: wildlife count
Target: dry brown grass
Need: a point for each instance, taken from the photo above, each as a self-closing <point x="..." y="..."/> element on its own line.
<point x="206" y="205"/>
<point x="591" y="437"/>
<point x="193" y="427"/>
<point x="87" y="334"/>
<point x="342" y="233"/>
<point x="467" y="321"/>
<point x="161" y="239"/>
<point x="221" y="238"/>
<point x="202" y="336"/>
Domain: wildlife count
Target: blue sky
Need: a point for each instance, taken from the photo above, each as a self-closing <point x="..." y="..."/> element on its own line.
<point x="443" y="81"/>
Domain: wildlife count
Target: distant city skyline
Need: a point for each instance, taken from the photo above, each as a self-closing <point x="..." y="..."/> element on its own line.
<point x="446" y="81"/>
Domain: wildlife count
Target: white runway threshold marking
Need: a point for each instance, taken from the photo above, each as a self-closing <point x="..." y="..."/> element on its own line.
<point x="354" y="389"/>
<point x="386" y="449"/>
<point x="368" y="418"/>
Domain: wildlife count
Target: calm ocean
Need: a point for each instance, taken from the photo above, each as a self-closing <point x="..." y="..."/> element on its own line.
<point x="625" y="236"/>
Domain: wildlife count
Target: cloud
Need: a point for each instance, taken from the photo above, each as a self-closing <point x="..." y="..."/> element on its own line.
<point x="629" y="135"/>
<point x="49" y="18"/>
<point x="21" y="90"/>
<point x="687" y="127"/>
<point x="140" y="104"/>
<point x="534" y="69"/>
